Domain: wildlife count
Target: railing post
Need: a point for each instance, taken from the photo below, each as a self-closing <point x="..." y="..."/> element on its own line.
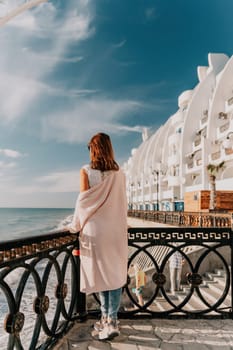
<point x="80" y="304"/>
<point x="190" y="220"/>
<point x="180" y="219"/>
<point x="231" y="283"/>
<point x="200" y="220"/>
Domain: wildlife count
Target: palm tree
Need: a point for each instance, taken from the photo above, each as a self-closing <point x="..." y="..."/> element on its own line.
<point x="213" y="171"/>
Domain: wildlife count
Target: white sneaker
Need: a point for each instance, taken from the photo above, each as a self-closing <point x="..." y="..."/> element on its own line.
<point x="99" y="325"/>
<point x="113" y="329"/>
<point x="103" y="334"/>
<point x="110" y="330"/>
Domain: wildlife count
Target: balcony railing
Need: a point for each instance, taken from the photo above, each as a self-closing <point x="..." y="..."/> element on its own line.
<point x="204" y="119"/>
<point x="180" y="218"/>
<point x="39" y="282"/>
<point x="216" y="155"/>
<point x="230" y="101"/>
<point x="197" y="141"/>
<point x="224" y="127"/>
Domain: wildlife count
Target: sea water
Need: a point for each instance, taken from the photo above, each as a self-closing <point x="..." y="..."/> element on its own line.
<point x="16" y="223"/>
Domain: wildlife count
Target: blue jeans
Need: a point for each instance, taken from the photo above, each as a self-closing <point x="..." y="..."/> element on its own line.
<point x="110" y="303"/>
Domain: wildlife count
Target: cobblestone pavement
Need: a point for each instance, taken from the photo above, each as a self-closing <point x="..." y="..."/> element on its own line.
<point x="148" y="334"/>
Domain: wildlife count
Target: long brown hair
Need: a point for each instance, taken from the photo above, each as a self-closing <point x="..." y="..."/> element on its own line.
<point x="101" y="153"/>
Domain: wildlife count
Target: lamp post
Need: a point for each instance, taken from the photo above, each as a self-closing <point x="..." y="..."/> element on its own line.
<point x="131" y="195"/>
<point x="156" y="172"/>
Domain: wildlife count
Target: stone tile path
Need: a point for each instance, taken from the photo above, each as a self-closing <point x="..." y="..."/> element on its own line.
<point x="148" y="334"/>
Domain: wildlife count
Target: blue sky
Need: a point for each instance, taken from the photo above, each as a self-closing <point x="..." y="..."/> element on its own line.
<point x="72" y="68"/>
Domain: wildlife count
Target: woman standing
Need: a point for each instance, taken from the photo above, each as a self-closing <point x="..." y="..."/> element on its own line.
<point x="101" y="217"/>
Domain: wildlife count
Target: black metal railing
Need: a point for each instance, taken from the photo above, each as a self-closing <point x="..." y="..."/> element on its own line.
<point x="207" y="261"/>
<point x="180" y="218"/>
<point x="39" y="282"/>
<point x="39" y="290"/>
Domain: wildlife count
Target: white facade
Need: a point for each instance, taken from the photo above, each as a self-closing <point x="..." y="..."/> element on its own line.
<point x="174" y="159"/>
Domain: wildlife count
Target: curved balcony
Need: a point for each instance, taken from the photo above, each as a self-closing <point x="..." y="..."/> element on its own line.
<point x="177" y="118"/>
<point x="196" y="141"/>
<point x="173" y="159"/>
<point x="174" y="181"/>
<point x="229" y="104"/>
<point x="184" y="98"/>
<point x="174" y="139"/>
<point x="167" y="194"/>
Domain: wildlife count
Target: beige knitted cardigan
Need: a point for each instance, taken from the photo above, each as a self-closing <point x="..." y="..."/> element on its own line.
<point x="101" y="216"/>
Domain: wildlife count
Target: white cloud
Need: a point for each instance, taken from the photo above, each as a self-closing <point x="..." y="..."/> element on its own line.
<point x="54" y="59"/>
<point x="7" y="165"/>
<point x="87" y="117"/>
<point x="55" y="182"/>
<point x="24" y="81"/>
<point x="9" y="169"/>
<point x="24" y="66"/>
<point x="56" y="91"/>
<point x="14" y="101"/>
<point x="64" y="181"/>
<point x="10" y="165"/>
<point x="10" y="153"/>
<point x="8" y="175"/>
<point x="120" y="44"/>
<point x="151" y="13"/>
<point x="18" y="14"/>
<point x="76" y="27"/>
<point x="136" y="128"/>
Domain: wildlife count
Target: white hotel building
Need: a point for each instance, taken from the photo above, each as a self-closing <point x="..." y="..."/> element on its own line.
<point x="173" y="160"/>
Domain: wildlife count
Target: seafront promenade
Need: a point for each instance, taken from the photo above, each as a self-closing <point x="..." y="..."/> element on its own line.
<point x="148" y="334"/>
<point x="134" y="222"/>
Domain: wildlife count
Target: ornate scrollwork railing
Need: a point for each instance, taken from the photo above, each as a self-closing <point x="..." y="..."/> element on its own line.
<point x="180" y="218"/>
<point x="206" y="277"/>
<point x="39" y="281"/>
<point x="39" y="289"/>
